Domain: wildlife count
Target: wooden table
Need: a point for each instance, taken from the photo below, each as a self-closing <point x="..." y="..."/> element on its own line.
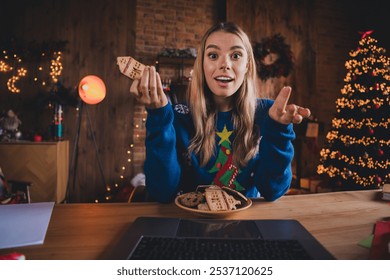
<point x="90" y="231"/>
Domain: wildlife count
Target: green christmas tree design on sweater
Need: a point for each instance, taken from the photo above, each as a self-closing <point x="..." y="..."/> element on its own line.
<point x="224" y="167"/>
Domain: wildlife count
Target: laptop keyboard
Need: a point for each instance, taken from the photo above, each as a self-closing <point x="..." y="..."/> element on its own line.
<point x="173" y="248"/>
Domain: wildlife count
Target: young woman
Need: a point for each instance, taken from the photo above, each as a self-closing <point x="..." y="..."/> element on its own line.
<point x="224" y="135"/>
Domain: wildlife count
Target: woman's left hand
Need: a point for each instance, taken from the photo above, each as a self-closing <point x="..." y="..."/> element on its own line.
<point x="285" y="113"/>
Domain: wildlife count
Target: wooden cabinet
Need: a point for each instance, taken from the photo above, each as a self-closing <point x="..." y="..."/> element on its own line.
<point x="44" y="164"/>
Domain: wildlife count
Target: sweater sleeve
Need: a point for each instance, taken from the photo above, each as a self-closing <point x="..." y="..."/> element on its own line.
<point x="273" y="173"/>
<point x="162" y="169"/>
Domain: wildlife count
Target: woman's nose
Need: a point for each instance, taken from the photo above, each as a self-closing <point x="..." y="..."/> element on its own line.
<point x="225" y="63"/>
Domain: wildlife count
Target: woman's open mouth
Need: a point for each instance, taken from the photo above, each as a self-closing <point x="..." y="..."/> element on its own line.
<point x="223" y="79"/>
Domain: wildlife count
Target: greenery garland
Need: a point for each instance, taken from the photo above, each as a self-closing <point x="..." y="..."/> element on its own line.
<point x="273" y="57"/>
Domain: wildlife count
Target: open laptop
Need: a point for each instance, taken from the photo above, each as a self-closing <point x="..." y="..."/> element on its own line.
<point x="174" y="238"/>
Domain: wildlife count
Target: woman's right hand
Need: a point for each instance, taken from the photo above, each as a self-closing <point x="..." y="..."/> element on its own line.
<point x="148" y="90"/>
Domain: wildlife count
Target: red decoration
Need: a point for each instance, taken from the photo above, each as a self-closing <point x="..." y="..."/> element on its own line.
<point x="37" y="138"/>
<point x="380" y="152"/>
<point x="366" y="33"/>
<point x="13" y="256"/>
<point x="378" y="180"/>
<point x="371" y="131"/>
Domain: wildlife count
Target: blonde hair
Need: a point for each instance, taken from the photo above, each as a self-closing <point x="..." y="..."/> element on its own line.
<point x="203" y="109"/>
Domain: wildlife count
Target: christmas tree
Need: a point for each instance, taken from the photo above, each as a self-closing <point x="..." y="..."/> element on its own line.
<point x="226" y="172"/>
<point x="356" y="155"/>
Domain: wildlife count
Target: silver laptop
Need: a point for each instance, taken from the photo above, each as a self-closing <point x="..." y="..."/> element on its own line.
<point x="174" y="238"/>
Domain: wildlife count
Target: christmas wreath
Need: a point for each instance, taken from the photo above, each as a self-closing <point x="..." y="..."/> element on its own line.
<point x="273" y="57"/>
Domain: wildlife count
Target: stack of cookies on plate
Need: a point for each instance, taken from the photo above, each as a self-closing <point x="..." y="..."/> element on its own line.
<point x="213" y="198"/>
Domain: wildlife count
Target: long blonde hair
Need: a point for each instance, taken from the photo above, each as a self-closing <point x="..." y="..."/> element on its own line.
<point x="203" y="109"/>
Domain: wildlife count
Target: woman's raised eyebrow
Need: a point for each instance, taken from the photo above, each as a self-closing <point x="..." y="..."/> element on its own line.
<point x="212" y="46"/>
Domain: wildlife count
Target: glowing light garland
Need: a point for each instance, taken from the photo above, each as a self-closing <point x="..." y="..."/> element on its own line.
<point x="121" y="183"/>
<point x="366" y="122"/>
<point x="56" y="67"/>
<point x="12" y="81"/>
<point x="113" y="189"/>
<point x="36" y="65"/>
<point x="358" y="145"/>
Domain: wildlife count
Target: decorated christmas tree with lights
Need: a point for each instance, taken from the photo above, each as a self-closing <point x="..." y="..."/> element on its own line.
<point x="356" y="155"/>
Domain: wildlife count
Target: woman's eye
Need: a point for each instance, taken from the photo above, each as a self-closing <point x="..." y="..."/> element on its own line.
<point x="212" y="55"/>
<point x="236" y="56"/>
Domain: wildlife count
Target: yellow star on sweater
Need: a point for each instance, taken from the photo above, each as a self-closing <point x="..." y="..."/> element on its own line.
<point x="224" y="135"/>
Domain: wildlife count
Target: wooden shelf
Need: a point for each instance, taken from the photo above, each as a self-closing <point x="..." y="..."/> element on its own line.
<point x="166" y="60"/>
<point x="179" y="62"/>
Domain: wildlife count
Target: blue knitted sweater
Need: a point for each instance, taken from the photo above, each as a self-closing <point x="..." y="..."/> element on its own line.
<point x="170" y="170"/>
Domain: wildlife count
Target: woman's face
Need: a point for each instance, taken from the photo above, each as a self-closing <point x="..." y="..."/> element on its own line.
<point x="225" y="64"/>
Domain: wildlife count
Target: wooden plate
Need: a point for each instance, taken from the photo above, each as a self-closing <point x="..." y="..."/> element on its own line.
<point x="245" y="204"/>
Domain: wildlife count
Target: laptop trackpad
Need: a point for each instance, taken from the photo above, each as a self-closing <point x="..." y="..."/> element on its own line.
<point x="218" y="229"/>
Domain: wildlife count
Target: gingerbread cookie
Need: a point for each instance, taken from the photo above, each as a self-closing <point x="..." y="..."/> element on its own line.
<point x="219" y="200"/>
<point x="215" y="199"/>
<point x="192" y="199"/>
<point x="130" y="67"/>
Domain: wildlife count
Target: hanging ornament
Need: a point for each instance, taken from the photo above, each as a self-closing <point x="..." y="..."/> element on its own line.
<point x="380" y="152"/>
<point x="378" y="179"/>
<point x="371" y="131"/>
<point x="377" y="86"/>
<point x="377" y="106"/>
<point x="365" y="156"/>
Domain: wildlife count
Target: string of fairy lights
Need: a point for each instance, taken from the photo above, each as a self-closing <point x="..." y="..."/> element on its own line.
<point x="22" y="61"/>
<point x="121" y="181"/>
<point x="16" y="67"/>
<point x="112" y="189"/>
<point x="358" y="143"/>
<point x="366" y="122"/>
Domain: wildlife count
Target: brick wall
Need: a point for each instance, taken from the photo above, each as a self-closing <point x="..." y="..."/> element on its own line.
<point x="175" y="24"/>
